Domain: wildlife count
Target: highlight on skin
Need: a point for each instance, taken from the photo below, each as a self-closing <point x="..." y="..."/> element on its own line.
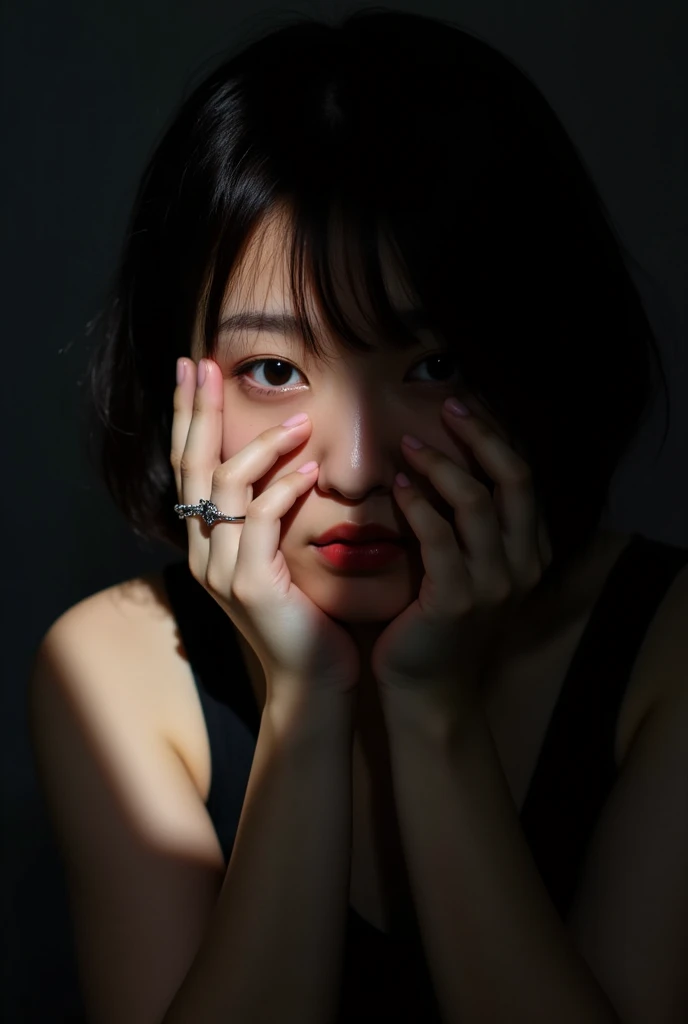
<point x="359" y="404"/>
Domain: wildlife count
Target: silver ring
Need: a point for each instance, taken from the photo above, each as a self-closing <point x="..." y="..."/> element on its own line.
<point x="208" y="511"/>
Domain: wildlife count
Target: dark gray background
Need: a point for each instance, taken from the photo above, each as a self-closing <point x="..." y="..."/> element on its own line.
<point x="87" y="89"/>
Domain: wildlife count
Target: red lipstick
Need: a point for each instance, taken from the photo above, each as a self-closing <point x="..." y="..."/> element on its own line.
<point x="351" y="533"/>
<point x="353" y="548"/>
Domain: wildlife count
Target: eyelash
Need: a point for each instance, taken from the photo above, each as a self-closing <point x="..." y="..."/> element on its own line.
<point x="242" y="371"/>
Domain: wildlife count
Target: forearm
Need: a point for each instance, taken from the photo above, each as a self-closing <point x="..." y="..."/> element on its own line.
<point x="274" y="948"/>
<point x="497" y="950"/>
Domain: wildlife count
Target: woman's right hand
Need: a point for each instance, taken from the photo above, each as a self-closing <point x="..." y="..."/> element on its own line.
<point x="302" y="650"/>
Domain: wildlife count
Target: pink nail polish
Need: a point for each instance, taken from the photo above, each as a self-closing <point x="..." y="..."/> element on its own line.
<point x="457" y="408"/>
<point x="294" y="421"/>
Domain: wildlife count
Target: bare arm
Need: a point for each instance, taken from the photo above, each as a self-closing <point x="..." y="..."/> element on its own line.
<point x="275" y="943"/>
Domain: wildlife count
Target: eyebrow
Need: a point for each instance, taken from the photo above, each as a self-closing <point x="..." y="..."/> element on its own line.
<point x="287" y="324"/>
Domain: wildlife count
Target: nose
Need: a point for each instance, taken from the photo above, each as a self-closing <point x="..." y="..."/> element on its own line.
<point x="356" y="466"/>
<point x="358" y="453"/>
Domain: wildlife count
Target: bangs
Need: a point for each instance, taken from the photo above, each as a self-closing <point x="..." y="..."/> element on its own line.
<point x="346" y="277"/>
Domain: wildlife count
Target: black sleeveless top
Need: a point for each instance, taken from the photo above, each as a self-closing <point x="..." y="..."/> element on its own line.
<point x="386" y="976"/>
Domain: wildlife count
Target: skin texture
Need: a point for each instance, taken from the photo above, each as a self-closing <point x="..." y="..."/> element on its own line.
<point x="360" y="405"/>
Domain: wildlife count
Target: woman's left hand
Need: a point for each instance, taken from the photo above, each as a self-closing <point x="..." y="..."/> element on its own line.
<point x="435" y="648"/>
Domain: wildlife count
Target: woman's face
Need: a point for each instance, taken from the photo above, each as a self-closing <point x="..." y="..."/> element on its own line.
<point x="359" y="405"/>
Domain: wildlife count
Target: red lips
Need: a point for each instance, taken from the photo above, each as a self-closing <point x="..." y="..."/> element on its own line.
<point x="351" y="533"/>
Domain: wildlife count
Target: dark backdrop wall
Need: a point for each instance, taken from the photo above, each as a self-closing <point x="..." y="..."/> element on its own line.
<point x="87" y="88"/>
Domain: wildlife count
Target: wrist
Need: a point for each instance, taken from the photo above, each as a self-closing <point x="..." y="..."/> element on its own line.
<point x="310" y="715"/>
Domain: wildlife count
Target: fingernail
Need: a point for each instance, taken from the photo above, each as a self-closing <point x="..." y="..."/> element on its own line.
<point x="457" y="408"/>
<point x="201" y="375"/>
<point x="181" y="370"/>
<point x="300" y="417"/>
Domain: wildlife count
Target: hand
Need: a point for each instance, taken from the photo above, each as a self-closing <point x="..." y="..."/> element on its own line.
<point x="474" y="574"/>
<point x="303" y="652"/>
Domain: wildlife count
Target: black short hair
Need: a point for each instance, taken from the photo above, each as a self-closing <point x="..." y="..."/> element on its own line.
<point x="408" y="125"/>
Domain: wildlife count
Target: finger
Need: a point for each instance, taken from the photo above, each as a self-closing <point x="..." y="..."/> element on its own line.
<point x="447" y="581"/>
<point x="260" y="536"/>
<point x="181" y="421"/>
<point x="514" y="496"/>
<point x="478" y="537"/>
<point x="198" y="412"/>
<point x="232" y="490"/>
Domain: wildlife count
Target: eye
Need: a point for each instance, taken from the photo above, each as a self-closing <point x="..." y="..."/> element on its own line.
<point x="442" y="363"/>
<point x="284" y="368"/>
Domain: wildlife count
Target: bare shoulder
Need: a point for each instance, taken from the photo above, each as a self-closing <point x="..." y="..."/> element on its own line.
<point x="141" y="856"/>
<point x="128" y="631"/>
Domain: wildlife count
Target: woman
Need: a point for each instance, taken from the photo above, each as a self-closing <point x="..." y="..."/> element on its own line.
<point x="448" y="769"/>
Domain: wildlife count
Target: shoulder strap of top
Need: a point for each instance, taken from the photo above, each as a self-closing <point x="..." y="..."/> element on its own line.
<point x="211" y="645"/>
<point x="227" y="700"/>
<point x="576" y="767"/>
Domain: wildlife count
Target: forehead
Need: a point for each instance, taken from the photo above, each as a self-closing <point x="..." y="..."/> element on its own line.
<point x="261" y="282"/>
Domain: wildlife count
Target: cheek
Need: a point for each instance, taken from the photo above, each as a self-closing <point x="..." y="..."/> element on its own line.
<point x="236" y="436"/>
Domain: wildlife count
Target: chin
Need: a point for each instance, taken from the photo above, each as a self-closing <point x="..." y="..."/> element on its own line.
<point x="361" y="600"/>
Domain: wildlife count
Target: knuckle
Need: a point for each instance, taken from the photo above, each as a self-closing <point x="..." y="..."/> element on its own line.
<point x="439" y="533"/>
<point x="240" y="591"/>
<point x="222" y="474"/>
<point x="259" y="508"/>
<point x="198" y="406"/>
<point x="212" y="581"/>
<point x="477" y="497"/>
